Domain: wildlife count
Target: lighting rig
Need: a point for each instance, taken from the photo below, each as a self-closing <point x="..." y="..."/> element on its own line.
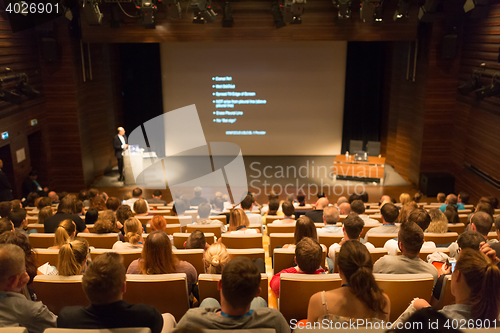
<point x="344" y="9"/>
<point x="203" y="12"/>
<point x="22" y="88"/>
<point x="402" y="10"/>
<point x="371" y="10"/>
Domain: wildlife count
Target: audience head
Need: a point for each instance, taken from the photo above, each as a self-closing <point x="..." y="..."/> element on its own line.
<point x="93" y="192"/>
<point x="301" y="198"/>
<point x="451" y="199"/>
<point x="104" y="279"/>
<point x="320" y="195"/>
<point x="404" y="198"/>
<point x="345" y="208"/>
<point x="83" y="195"/>
<point x="288" y="208"/>
<point x="157" y="194"/>
<point x="441" y="197"/>
<point x="358" y="207"/>
<point x="106" y="222"/>
<point x="364" y="196"/>
<point x="215" y="258"/>
<point x="65" y="232"/>
<point x="6" y="225"/>
<point x="290" y="198"/>
<point x="196" y="240"/>
<point x="493" y="202"/>
<point x="477" y="277"/>
<point x="240" y="283"/>
<point x="79" y="206"/>
<point x="44" y="202"/>
<point x="410" y="238"/>
<point x="481" y="222"/>
<point x="53" y="196"/>
<point x="308" y="255"/>
<point x="405" y="211"/>
<point x="180" y="207"/>
<point x="439" y="222"/>
<point x="137" y="192"/>
<point x="198" y="191"/>
<point x="238" y="218"/>
<point x="5" y="208"/>
<point x="485" y="207"/>
<point x="272" y="196"/>
<point x="384" y="198"/>
<point x="305" y="227"/>
<point x="18" y="217"/>
<point x="67" y="206"/>
<point x="30" y="199"/>
<point x="322" y="203"/>
<point x="140" y="207"/>
<point x="133" y="230"/>
<point x="341" y="200"/>
<point x="420" y="217"/>
<point x="470" y="240"/>
<point x="463" y="197"/>
<point x="274" y="206"/>
<point x="417" y="197"/>
<point x="44" y="213"/>
<point x="247" y="202"/>
<point x="72" y="257"/>
<point x="33" y="174"/>
<point x="219" y="203"/>
<point x="113" y="203"/>
<point x="353" y="225"/>
<point x="389" y="213"/>
<point x="497" y="224"/>
<point x="157" y="256"/>
<point x="13" y="276"/>
<point x="354" y="197"/>
<point x="356" y="266"/>
<point x="204" y="210"/>
<point x="20" y="240"/>
<point x="158" y="223"/>
<point x="331" y="215"/>
<point x="451" y="214"/>
<point x="91" y="216"/>
<point x="122" y="213"/>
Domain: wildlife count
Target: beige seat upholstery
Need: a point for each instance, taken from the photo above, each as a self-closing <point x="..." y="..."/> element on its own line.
<point x="376" y="254"/>
<point x="208" y="286"/>
<point x="242" y="241"/>
<point x="193" y="213"/>
<point x="221" y="218"/>
<point x="403" y="288"/>
<point x="276" y="240"/>
<point x="172" y="228"/>
<point x="492" y="235"/>
<point x="13" y="330"/>
<point x="280" y="229"/>
<point x="285" y="258"/>
<point x="128" y="255"/>
<point x="249" y="253"/>
<point x="446" y="297"/>
<point x="366" y="228"/>
<point x="329" y="239"/>
<point x="456" y="227"/>
<point x="378" y="240"/>
<point x="101" y="241"/>
<point x="297" y="289"/>
<point x="463" y="218"/>
<point x="212" y="228"/>
<point x="182" y="220"/>
<point x="46" y="255"/>
<point x="446" y="238"/>
<point x="168" y="293"/>
<point x="181" y="237"/>
<point x="194" y="257"/>
<point x="42" y="240"/>
<point x="101" y="330"/>
<point x="57" y="291"/>
<point x="271" y="218"/>
<point x="35" y="226"/>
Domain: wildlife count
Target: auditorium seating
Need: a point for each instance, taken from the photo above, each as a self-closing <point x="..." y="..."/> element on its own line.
<point x="297" y="289"/>
<point x="42" y="240"/>
<point x="242" y="241"/>
<point x="403" y="288"/>
<point x="172" y="228"/>
<point x="46" y="255"/>
<point x="211" y="228"/>
<point x="194" y="257"/>
<point x="280" y="229"/>
<point x="366" y="228"/>
<point x="14" y="330"/>
<point x="445" y="238"/>
<point x="128" y="255"/>
<point x="102" y="330"/>
<point x="378" y="240"/>
<point x="57" y="291"/>
<point x="221" y="218"/>
<point x="181" y="237"/>
<point x="463" y="218"/>
<point x="193" y="214"/>
<point x="376" y="254"/>
<point x="207" y="284"/>
<point x="101" y="241"/>
<point x="38" y="227"/>
<point x="276" y="240"/>
<point x="456" y="227"/>
<point x="329" y="239"/>
<point x="249" y="253"/>
<point x="446" y="297"/>
<point x="492" y="235"/>
<point x="168" y="293"/>
<point x="182" y="220"/>
<point x="271" y="218"/>
<point x="285" y="258"/>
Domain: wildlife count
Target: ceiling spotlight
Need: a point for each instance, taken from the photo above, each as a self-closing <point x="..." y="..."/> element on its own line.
<point x="277" y="15"/>
<point x="10" y="96"/>
<point x="203" y="12"/>
<point x="478" y="8"/>
<point x="344" y="8"/>
<point x="147" y="9"/>
<point x="92" y="12"/>
<point x="429" y="11"/>
<point x="173" y="8"/>
<point x="25" y="89"/>
<point x="227" y="16"/>
<point x="371" y="10"/>
<point x="402" y="10"/>
<point x="488" y="91"/>
<point x="293" y="10"/>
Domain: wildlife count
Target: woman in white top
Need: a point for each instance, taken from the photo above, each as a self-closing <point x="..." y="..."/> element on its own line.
<point x="133" y="235"/>
<point x="239" y="223"/>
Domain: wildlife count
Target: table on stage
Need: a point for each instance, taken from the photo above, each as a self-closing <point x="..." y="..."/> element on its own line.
<point x="346" y="168"/>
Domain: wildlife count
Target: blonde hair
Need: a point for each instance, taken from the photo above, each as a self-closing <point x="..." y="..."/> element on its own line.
<point x="106" y="222"/>
<point x="238" y="218"/>
<point x="439" y="222"/>
<point x="216" y="257"/>
<point x="133" y="230"/>
<point x="64" y="232"/>
<point x="158" y="222"/>
<point x="44" y="213"/>
<point x="140" y="206"/>
<point x="404" y="198"/>
<point x="72" y="256"/>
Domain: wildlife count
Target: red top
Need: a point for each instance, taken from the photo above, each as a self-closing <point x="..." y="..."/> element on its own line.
<point x="275" y="281"/>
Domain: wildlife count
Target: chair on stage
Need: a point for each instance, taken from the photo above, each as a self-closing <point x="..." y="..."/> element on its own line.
<point x="355" y="145"/>
<point x="373" y="148"/>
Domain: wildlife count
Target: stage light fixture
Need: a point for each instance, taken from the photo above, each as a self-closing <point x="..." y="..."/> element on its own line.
<point x="293" y="10"/>
<point x="429" y="11"/>
<point x="344" y="9"/>
<point x="173" y="8"/>
<point x="147" y="10"/>
<point x="478" y="9"/>
<point x="491" y="90"/>
<point x="203" y="12"/>
<point x="27" y="90"/>
<point x="371" y="10"/>
<point x="10" y="96"/>
<point x="474" y="82"/>
<point x="227" y="17"/>
<point x="92" y="12"/>
<point x="279" y="22"/>
<point x="402" y="10"/>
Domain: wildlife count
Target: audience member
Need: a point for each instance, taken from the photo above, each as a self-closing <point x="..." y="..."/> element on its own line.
<point x="463" y="198"/>
<point x="239" y="223"/>
<point x="439" y="222"/>
<point x="104" y="285"/>
<point x="480" y="222"/>
<point x="247" y="205"/>
<point x="390" y="215"/>
<point x="404" y="198"/>
<point x="156" y="198"/>
<point x="91" y="216"/>
<point x="98" y="204"/>
<point x="80" y="210"/>
<point x="6" y="225"/>
<point x="330" y="218"/>
<point x="18" y="218"/>
<point x="140" y="208"/>
<point x="358" y="207"/>
<point x="301" y="198"/>
<point x="341" y="200"/>
<point x="136" y="195"/>
<point x="5" y="208"/>
<point x="30" y="199"/>
<point x="106" y="223"/>
<point x="304" y="227"/>
<point x="493" y="202"/>
<point x="240" y="308"/>
<point x="345" y="208"/>
<point x="354" y="197"/>
<point x="308" y="257"/>
<point x="198" y="198"/>
<point x="15" y="309"/>
<point x="113" y="203"/>
<point x="405" y="211"/>
<point x="217" y="206"/>
<point x="364" y="196"/>
<point x="133" y="235"/>
<point x="383" y="199"/>
<point x="441" y="197"/>
<point x="317" y="214"/>
<point x="410" y="240"/>
<point x="451" y="199"/>
<point x="451" y="214"/>
<point x="65" y="210"/>
<point x="288" y="210"/>
<point x="196" y="240"/>
<point x="496" y="246"/>
<point x="44" y="202"/>
<point x="72" y="257"/>
<point x="358" y="298"/>
<point x="65" y="233"/>
<point x="158" y="223"/>
<point x="215" y="258"/>
<point x="123" y="213"/>
<point x="30" y="184"/>
<point x="54" y="197"/>
<point x="44" y="213"/>
<point x="273" y="207"/>
<point x="204" y="210"/>
<point x="417" y="196"/>
<point x="180" y="206"/>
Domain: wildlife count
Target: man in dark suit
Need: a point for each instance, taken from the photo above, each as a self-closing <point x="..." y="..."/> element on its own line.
<point x="120" y="143"/>
<point x="30" y="184"/>
<point x="317" y="214"/>
<point x="5" y="188"/>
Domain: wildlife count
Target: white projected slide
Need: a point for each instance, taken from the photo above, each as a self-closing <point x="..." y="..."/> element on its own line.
<point x="283" y="98"/>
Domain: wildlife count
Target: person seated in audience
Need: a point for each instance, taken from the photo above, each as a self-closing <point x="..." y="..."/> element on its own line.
<point x="91" y="216"/>
<point x="180" y="206"/>
<point x="404" y="198"/>
<point x="141" y="208"/>
<point x="43" y="202"/>
<point x="90" y="194"/>
<point x="158" y="223"/>
<point x="475" y="283"/>
<point x="239" y="223"/>
<point x="467" y="240"/>
<point x="308" y="257"/>
<point x="383" y="199"/>
<point x="493" y="202"/>
<point x="217" y="206"/>
<point x="44" y="213"/>
<point x="133" y="235"/>
<point x="439" y="222"/>
<point x="331" y="216"/>
<point x="65" y="210"/>
<point x="106" y="223"/>
<point x="247" y="205"/>
<point x="358" y="207"/>
<point x="136" y="195"/>
<point x="345" y="208"/>
<point x="5" y="208"/>
<point x="6" y="225"/>
<point x="441" y="197"/>
<point x="410" y="241"/>
<point x="451" y="199"/>
<point x="496" y="246"/>
<point x="463" y="198"/>
<point x="482" y="206"/>
<point x="80" y="210"/>
<point x="98" y="204"/>
<point x="157" y="258"/>
<point x="196" y="240"/>
<point x="354" y="196"/>
<point x="273" y="208"/>
<point x="54" y="197"/>
<point x="405" y="211"/>
<point x="288" y="210"/>
<point x="15" y="309"/>
<point x="301" y="200"/>
<point x="364" y="196"/>
<point x="417" y="196"/>
<point x="304" y="227"/>
<point x="30" y="184"/>
<point x="156" y="198"/>
<point x="451" y="214"/>
<point x="358" y="298"/>
<point x="480" y="222"/>
<point x="341" y="200"/>
<point x="240" y="307"/>
<point x="215" y="258"/>
<point x="16" y="203"/>
<point x="123" y="213"/>
<point x="72" y="258"/>
<point x="65" y="233"/>
<point x="198" y="198"/>
<point x="104" y="284"/>
<point x="204" y="210"/>
<point x="30" y="199"/>
<point x="317" y="214"/>
<point x="352" y="228"/>
<point x="113" y="203"/>
<point x="18" y="218"/>
<point x="390" y="215"/>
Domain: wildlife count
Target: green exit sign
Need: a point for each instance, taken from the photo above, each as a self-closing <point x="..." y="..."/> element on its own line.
<point x="34" y="122"/>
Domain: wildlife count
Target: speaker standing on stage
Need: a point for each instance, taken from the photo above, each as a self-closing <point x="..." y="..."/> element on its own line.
<point x="120" y="143"/>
